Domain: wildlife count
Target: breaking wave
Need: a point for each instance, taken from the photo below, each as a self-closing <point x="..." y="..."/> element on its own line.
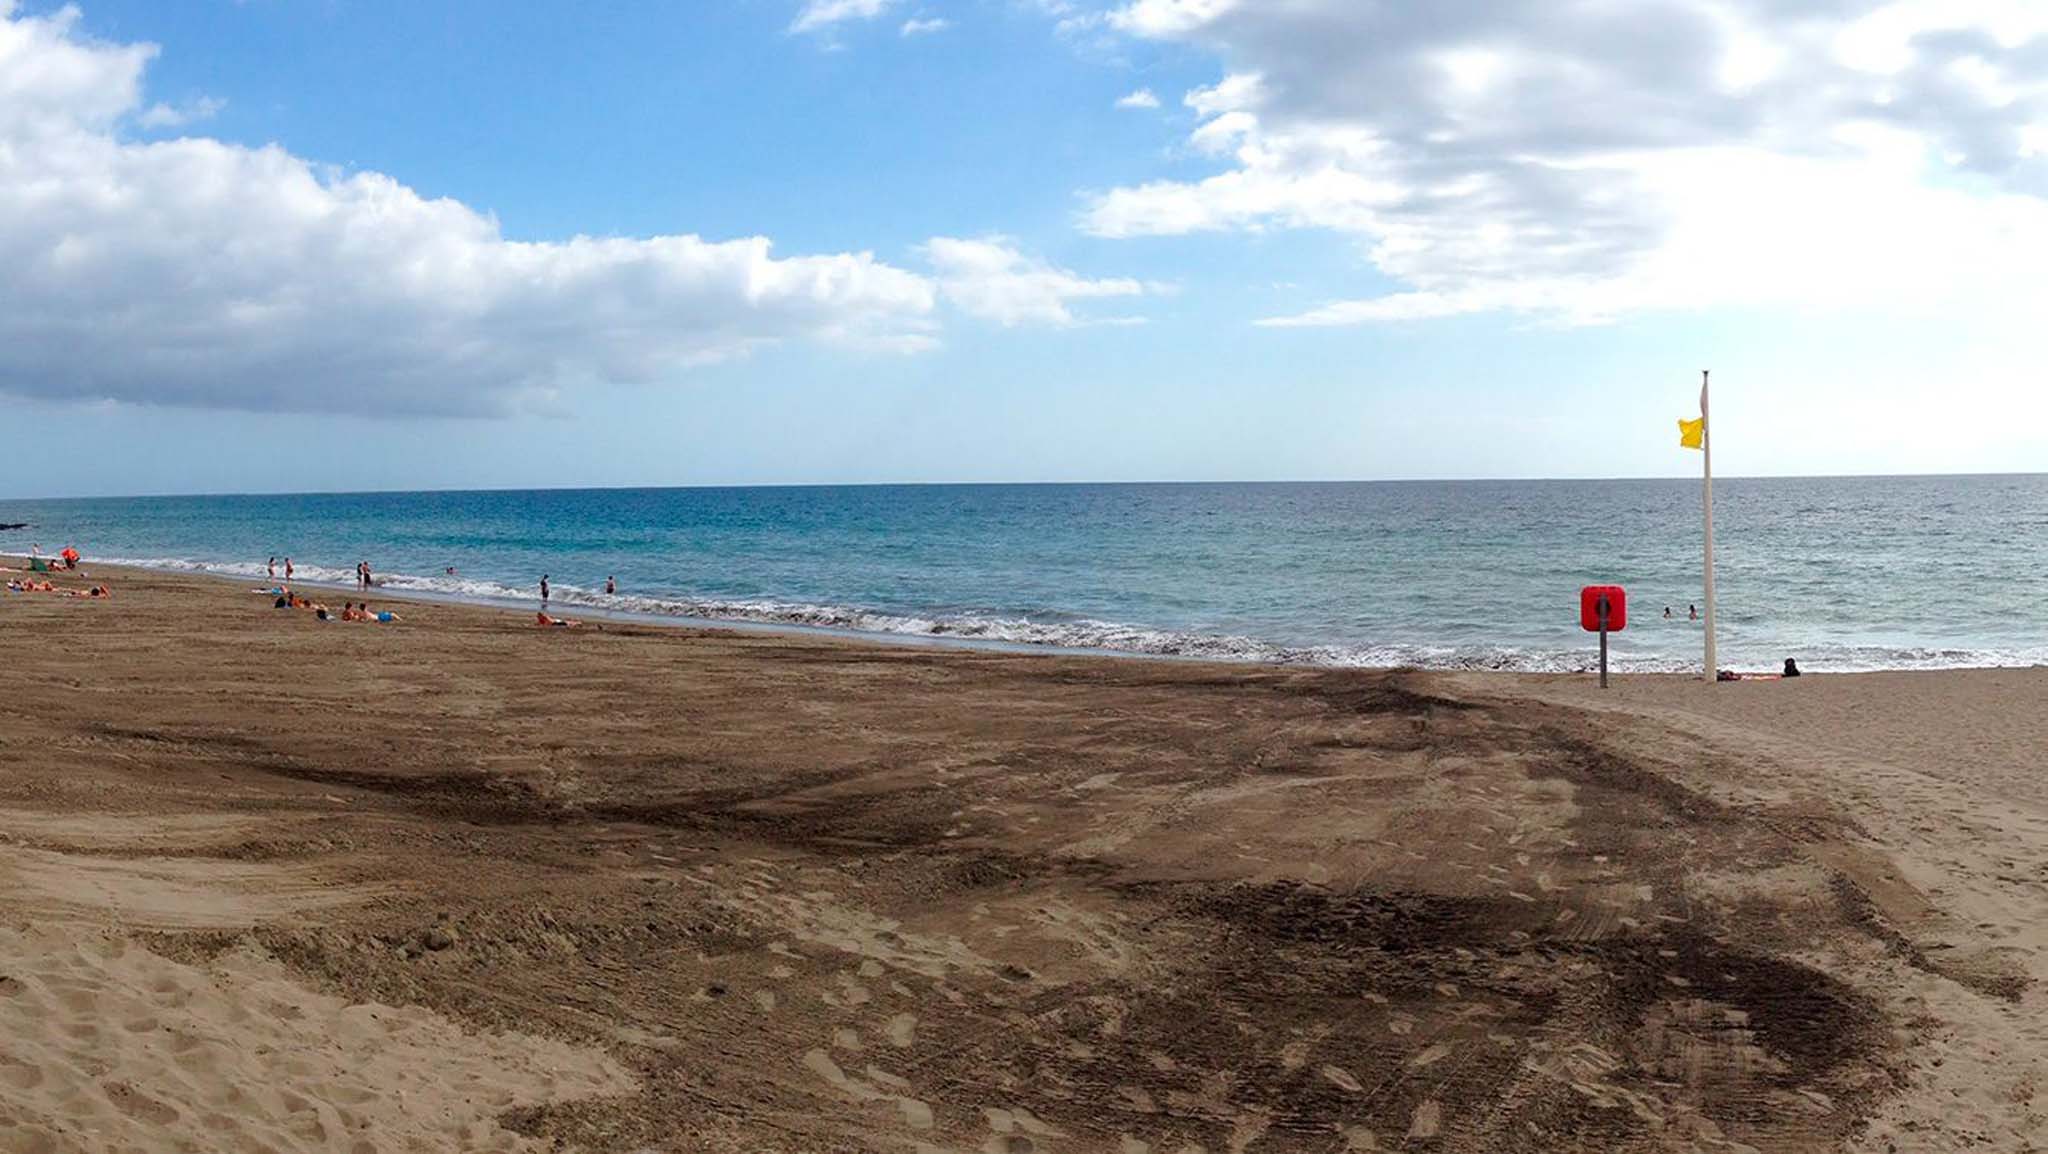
<point x="1087" y="635"/>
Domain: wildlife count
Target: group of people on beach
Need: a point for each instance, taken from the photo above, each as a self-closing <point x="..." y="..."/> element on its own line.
<point x="545" y="621"/>
<point x="98" y="592"/>
<point x="611" y="587"/>
<point x="350" y="610"/>
<point x="64" y="562"/>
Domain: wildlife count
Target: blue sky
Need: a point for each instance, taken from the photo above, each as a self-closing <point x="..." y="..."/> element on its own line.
<point x="331" y="245"/>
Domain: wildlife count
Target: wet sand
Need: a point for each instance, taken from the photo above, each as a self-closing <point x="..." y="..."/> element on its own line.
<point x="462" y="883"/>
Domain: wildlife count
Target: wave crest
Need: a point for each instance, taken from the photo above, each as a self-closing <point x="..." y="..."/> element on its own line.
<point x="1087" y="635"/>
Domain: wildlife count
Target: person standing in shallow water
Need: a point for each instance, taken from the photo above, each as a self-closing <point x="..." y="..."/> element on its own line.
<point x="611" y="586"/>
<point x="270" y="570"/>
<point x="543" y="589"/>
<point x="287" y="568"/>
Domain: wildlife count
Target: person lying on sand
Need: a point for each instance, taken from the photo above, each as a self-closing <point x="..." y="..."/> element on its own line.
<point x="545" y="621"/>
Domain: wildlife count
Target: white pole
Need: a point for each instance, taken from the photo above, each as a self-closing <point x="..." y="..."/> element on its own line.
<point x="1707" y="502"/>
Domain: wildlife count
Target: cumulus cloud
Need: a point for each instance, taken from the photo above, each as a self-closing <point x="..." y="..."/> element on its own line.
<point x="161" y="115"/>
<point x="1581" y="160"/>
<point x="924" y="25"/>
<point x="818" y="15"/>
<point x="196" y="272"/>
<point x="1142" y="98"/>
<point x="988" y="277"/>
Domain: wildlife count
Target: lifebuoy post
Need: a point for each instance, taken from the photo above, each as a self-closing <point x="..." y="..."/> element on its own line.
<point x="1603" y="609"/>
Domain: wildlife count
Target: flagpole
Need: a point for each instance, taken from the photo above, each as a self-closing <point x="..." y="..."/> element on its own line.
<point x="1707" y="504"/>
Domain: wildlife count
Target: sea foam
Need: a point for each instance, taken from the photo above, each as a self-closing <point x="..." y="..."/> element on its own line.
<point x="1082" y="635"/>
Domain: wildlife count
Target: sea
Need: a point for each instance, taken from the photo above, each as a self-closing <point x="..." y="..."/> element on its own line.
<point x="1844" y="574"/>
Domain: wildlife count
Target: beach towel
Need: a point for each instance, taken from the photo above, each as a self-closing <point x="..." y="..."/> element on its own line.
<point x="39" y="565"/>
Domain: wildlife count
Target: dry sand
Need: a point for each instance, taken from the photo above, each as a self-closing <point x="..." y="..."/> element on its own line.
<point x="461" y="883"/>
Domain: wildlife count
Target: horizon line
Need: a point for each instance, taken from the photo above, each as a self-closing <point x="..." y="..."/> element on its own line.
<point x="626" y="488"/>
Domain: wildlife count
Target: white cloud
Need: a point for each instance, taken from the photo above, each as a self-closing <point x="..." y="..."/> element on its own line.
<point x="1579" y="162"/>
<point x="1166" y="18"/>
<point x="1142" y="98"/>
<point x="988" y="277"/>
<point x="924" y="25"/>
<point x="161" y="115"/>
<point x="822" y="14"/>
<point x="196" y="272"/>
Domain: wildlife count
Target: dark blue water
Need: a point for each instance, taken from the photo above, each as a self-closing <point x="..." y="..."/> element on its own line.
<point x="1845" y="573"/>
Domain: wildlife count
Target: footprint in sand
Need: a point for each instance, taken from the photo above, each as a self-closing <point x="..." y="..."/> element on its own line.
<point x="850" y="993"/>
<point x="915" y="1112"/>
<point x="1360" y="1138"/>
<point x="18" y="1075"/>
<point x="1138" y="1099"/>
<point x="1430" y="1056"/>
<point x="1341" y="1078"/>
<point x="902" y="1030"/>
<point x="132" y="1102"/>
<point x="1013" y="1129"/>
<point x="1427" y="1120"/>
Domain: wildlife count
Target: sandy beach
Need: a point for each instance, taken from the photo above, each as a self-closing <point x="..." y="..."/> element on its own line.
<point x="460" y="883"/>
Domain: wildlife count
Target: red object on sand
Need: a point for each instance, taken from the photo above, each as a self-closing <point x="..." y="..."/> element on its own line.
<point x="1589" y="608"/>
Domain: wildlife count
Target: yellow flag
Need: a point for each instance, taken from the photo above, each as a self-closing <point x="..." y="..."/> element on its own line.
<point x="1692" y="434"/>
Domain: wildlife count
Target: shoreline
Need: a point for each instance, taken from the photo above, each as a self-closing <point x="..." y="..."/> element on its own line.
<point x="1148" y="642"/>
<point x="681" y="622"/>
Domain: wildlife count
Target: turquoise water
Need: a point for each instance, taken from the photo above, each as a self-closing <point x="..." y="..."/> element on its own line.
<point x="1844" y="573"/>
